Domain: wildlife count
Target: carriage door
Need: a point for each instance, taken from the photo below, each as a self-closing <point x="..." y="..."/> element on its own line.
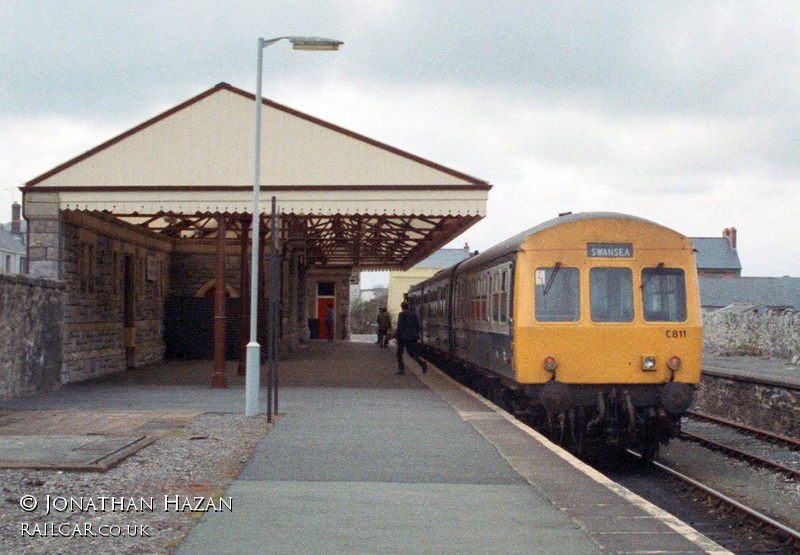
<point x="326" y="299"/>
<point x="128" y="310"/>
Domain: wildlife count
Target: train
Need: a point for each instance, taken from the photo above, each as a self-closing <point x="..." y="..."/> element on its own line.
<point x="587" y="325"/>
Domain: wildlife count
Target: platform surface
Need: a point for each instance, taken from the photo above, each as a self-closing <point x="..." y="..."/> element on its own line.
<point x="365" y="461"/>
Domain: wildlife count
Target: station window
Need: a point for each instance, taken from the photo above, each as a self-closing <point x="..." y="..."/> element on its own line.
<point x="664" y="294"/>
<point x="557" y="294"/>
<point x="611" y="293"/>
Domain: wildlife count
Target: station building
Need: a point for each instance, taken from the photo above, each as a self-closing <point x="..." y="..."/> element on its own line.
<point x="148" y="229"/>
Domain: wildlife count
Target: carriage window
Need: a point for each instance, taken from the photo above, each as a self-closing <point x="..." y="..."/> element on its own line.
<point x="557" y="294"/>
<point x="611" y="293"/>
<point x="664" y="294"/>
<point x="504" y="298"/>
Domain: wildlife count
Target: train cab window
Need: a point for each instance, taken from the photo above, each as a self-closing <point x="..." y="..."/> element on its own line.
<point x="664" y="294"/>
<point x="611" y="294"/>
<point x="557" y="294"/>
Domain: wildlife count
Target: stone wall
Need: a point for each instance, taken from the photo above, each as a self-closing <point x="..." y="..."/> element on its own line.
<point x="30" y="334"/>
<point x="93" y="266"/>
<point x="738" y="328"/>
<point x="758" y="405"/>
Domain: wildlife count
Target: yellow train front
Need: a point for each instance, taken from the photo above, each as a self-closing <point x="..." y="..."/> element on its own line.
<point x="591" y="322"/>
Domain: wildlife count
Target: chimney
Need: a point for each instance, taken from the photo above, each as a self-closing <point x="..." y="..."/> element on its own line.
<point x="16" y="223"/>
<point x="730" y="233"/>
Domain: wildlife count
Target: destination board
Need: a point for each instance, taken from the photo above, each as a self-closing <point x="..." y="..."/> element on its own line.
<point x="609" y="250"/>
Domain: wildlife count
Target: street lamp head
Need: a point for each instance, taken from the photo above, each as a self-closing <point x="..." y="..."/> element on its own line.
<point x="315" y="43"/>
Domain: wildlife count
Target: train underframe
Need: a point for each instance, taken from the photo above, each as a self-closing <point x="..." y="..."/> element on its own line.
<point x="596" y="422"/>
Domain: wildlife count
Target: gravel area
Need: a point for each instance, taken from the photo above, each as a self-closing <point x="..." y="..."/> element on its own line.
<point x="143" y="505"/>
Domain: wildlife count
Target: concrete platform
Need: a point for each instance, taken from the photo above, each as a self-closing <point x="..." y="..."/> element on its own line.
<point x="770" y="371"/>
<point x="68" y="452"/>
<point x="365" y="461"/>
<point x="80" y="440"/>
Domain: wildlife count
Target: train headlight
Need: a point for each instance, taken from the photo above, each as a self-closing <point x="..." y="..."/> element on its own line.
<point x="648" y="364"/>
<point x="550" y="363"/>
<point x="674" y="363"/>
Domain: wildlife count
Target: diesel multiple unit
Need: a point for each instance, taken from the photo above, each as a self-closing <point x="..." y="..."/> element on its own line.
<point x="589" y="323"/>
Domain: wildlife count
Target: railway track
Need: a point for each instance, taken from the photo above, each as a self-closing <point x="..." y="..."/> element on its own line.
<point x="722" y="521"/>
<point x="760" y="447"/>
<point x="786" y="536"/>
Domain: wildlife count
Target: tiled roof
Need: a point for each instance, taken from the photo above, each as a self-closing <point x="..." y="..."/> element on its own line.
<point x="715" y="253"/>
<point x="767" y="291"/>
<point x="9" y="243"/>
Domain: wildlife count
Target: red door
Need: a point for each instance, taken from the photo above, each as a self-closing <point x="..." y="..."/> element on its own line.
<point x="323" y="304"/>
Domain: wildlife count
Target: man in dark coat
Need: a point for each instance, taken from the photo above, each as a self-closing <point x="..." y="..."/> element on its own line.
<point x="384" y="323"/>
<point x="330" y="318"/>
<point x="408" y="333"/>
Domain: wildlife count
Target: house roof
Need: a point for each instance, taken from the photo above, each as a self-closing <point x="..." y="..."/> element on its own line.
<point x="359" y="201"/>
<point x="715" y="253"/>
<point x="9" y="243"/>
<point x="767" y="291"/>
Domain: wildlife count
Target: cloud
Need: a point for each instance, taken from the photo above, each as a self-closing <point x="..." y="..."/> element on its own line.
<point x="684" y="112"/>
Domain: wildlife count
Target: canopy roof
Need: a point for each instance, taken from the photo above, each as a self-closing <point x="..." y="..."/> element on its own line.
<point x="354" y="200"/>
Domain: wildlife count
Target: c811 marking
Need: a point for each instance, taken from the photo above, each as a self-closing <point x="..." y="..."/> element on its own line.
<point x="676" y="334"/>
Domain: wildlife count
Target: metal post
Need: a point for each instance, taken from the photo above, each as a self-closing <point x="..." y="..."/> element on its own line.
<point x="253" y="379"/>
<point x="252" y="382"/>
<point x="220" y="379"/>
<point x="275" y="284"/>
<point x="244" y="295"/>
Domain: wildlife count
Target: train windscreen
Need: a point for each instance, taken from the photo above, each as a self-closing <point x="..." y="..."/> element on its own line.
<point x="664" y="294"/>
<point x="557" y="294"/>
<point x="611" y="294"/>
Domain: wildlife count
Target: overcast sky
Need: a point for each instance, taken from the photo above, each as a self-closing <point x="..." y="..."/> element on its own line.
<point x="685" y="113"/>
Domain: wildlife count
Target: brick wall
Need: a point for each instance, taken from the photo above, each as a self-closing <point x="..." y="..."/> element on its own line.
<point x="737" y="328"/>
<point x="30" y="334"/>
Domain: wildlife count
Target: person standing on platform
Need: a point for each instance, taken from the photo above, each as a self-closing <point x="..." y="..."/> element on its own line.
<point x="330" y="318"/>
<point x="384" y="323"/>
<point x="408" y="333"/>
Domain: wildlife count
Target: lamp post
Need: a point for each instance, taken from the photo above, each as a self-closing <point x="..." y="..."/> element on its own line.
<point x="253" y="378"/>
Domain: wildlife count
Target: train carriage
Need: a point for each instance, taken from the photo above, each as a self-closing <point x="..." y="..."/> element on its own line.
<point x="590" y="322"/>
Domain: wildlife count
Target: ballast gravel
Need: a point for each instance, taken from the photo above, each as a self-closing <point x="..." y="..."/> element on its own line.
<point x="146" y="504"/>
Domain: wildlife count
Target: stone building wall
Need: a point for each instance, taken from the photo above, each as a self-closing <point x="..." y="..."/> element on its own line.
<point x="30" y="334"/>
<point x="739" y="328"/>
<point x="193" y="271"/>
<point x="92" y="266"/>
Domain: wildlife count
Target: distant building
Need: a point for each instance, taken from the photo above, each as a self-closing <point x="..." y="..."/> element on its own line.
<point x="717" y="256"/>
<point x="13" y="252"/>
<point x="718" y="262"/>
<point x="400" y="282"/>
<point x="770" y="292"/>
<point x="366" y="295"/>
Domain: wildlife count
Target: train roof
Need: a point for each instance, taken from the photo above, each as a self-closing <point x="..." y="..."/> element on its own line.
<point x="514" y="244"/>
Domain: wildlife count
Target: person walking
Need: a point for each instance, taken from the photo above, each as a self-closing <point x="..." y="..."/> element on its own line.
<point x="408" y="333"/>
<point x="330" y="318"/>
<point x="384" y="323"/>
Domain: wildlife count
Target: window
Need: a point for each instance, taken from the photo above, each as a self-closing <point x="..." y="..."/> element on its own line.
<point x="504" y="297"/>
<point x="664" y="294"/>
<point x="557" y="294"/>
<point x="495" y="284"/>
<point x="87" y="267"/>
<point x="611" y="293"/>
